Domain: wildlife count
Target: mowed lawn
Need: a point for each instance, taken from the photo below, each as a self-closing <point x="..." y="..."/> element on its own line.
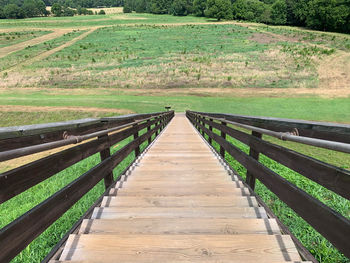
<point x="138" y="63"/>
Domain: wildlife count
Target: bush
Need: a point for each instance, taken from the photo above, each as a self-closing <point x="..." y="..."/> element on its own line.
<point x="219" y="9"/>
<point x="102" y="12"/>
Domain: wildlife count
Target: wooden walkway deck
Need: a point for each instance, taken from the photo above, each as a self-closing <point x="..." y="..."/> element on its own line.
<point x="179" y="204"/>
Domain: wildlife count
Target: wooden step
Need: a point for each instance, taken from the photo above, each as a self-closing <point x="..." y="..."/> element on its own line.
<point x="177" y="183"/>
<point x="178" y="212"/>
<point x="184" y="173"/>
<point x="175" y="201"/>
<point x="174" y="191"/>
<point x="180" y="248"/>
<point x="176" y="226"/>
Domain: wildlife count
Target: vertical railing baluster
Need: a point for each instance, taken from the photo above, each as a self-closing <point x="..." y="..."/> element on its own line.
<point x="250" y="178"/>
<point x="136" y="135"/>
<point x="148" y="129"/>
<point x="104" y="154"/>
<point x="210" y="129"/>
<point x="223" y="135"/>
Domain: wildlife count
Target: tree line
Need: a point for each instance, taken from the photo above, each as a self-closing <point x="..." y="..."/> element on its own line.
<point x="326" y="15"/>
<point x="11" y="9"/>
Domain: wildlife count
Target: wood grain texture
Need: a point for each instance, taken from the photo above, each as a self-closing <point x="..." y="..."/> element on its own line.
<point x="180" y="248"/>
<point x="179" y="204"/>
<point x="175" y="226"/>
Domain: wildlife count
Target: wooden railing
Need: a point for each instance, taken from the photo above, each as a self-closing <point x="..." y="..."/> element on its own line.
<point x="332" y="225"/>
<point x="99" y="134"/>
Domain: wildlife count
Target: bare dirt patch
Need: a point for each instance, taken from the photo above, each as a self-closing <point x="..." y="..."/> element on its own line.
<point x="263" y="38"/>
<point x="334" y="73"/>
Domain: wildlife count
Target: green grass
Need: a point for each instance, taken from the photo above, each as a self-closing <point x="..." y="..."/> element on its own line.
<point x="11" y="38"/>
<point x="19" y="118"/>
<point x="308" y="108"/>
<point x="96" y="20"/>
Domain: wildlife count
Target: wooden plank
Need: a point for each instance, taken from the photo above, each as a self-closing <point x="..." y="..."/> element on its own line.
<point x="174" y="191"/>
<point x="178" y="212"/>
<point x="173" y="201"/>
<point x="321" y="130"/>
<point x="178" y="183"/>
<point x="180" y="248"/>
<point x="180" y="226"/>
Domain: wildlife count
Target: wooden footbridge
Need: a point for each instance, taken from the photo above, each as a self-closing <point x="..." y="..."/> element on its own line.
<point x="179" y="201"/>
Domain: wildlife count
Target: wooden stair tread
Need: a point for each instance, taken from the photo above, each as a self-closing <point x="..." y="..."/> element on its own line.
<point x="180" y="191"/>
<point x="174" y="201"/>
<point x="207" y="226"/>
<point x="154" y="212"/>
<point x="180" y="248"/>
<point x="177" y="203"/>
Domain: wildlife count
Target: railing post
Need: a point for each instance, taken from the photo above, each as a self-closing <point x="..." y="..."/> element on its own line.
<point x="136" y="135"/>
<point x="158" y="121"/>
<point x="202" y="122"/>
<point x="250" y="178"/>
<point x="104" y="154"/>
<point x="210" y="129"/>
<point x="148" y="129"/>
<point x="223" y="135"/>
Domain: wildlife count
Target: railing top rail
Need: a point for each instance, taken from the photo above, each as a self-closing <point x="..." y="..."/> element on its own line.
<point x="34" y="129"/>
<point x="313" y="129"/>
<point x="289" y="136"/>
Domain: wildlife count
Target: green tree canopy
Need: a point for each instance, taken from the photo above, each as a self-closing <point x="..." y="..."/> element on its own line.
<point x="279" y="12"/>
<point x="219" y="9"/>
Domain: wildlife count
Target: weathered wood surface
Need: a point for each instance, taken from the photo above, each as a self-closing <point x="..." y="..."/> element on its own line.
<point x="179" y="204"/>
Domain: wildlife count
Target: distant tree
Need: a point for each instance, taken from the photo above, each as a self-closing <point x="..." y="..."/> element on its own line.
<point x="219" y="9"/>
<point x="199" y="7"/>
<point x="279" y="12"/>
<point x="327" y="15"/>
<point x="102" y="12"/>
<point x="160" y="6"/>
<point x="252" y="10"/>
<point x="56" y="9"/>
<point x="68" y="11"/>
<point x="127" y="6"/>
<point x="2" y="13"/>
<point x="12" y="11"/>
<point x="140" y="6"/>
<point x="181" y="8"/>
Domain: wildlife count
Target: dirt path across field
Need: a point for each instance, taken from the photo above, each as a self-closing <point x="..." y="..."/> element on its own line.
<point x="44" y="55"/>
<point x="21" y="108"/>
<point x="13" y="48"/>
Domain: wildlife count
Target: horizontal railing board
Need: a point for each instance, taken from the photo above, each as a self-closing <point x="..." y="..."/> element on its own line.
<point x="22" y="136"/>
<point x="22" y="178"/>
<point x="333" y="226"/>
<point x="329" y="176"/>
<point x="321" y="130"/>
<point x="16" y="236"/>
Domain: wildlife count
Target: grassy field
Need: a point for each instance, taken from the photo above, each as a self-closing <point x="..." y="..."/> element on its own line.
<point x="93" y="66"/>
